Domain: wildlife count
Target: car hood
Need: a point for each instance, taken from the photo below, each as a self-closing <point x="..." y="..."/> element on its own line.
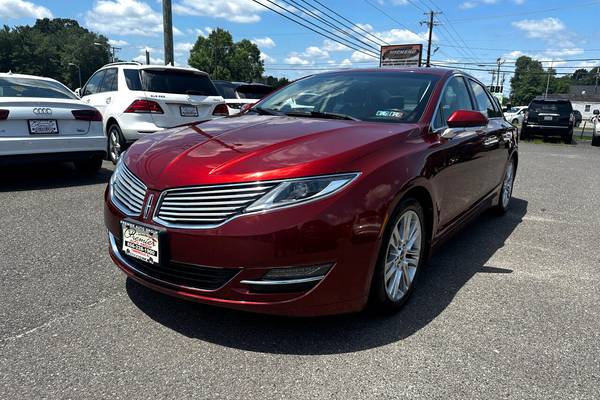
<point x="254" y="147"/>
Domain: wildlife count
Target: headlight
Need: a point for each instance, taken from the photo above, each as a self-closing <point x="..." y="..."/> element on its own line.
<point x="296" y="191"/>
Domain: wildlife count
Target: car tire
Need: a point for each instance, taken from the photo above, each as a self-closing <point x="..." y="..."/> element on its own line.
<point x="506" y="189"/>
<point x="524" y="134"/>
<point x="568" y="138"/>
<point x="116" y="143"/>
<point x="400" y="258"/>
<point x="89" y="166"/>
<point x="596" y="140"/>
<point x="515" y="122"/>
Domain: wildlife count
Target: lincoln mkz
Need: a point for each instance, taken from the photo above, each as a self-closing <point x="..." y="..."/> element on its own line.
<point x="325" y="197"/>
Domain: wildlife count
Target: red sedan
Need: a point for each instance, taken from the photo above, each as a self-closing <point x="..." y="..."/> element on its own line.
<point x="325" y="197"/>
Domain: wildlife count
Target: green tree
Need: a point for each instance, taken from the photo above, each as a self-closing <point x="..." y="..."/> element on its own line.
<point x="47" y="48"/>
<point x="528" y="81"/>
<point x="222" y="58"/>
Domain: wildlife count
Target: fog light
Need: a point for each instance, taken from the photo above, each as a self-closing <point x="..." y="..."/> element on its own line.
<point x="297" y="272"/>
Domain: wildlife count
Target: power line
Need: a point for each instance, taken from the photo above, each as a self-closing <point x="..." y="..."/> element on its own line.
<point x="327" y="35"/>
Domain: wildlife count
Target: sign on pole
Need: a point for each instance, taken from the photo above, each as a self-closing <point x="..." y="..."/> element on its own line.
<point x="401" y="55"/>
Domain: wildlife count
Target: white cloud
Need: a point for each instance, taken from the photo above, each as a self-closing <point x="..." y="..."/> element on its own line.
<point x="265" y="42"/>
<point x="296" y="60"/>
<point x="346" y="63"/>
<point x="118" y="42"/>
<point x="316" y="52"/>
<point x="467" y="5"/>
<point x="142" y="58"/>
<point x="22" y="9"/>
<point x="358" y="56"/>
<point x="540" y="28"/>
<point x="240" y="11"/>
<point x="125" y="17"/>
<point x="182" y="47"/>
<point x="330" y="45"/>
<point x="267" y="58"/>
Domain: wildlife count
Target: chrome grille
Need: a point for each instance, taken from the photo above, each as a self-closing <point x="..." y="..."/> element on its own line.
<point x="128" y="192"/>
<point x="209" y="205"/>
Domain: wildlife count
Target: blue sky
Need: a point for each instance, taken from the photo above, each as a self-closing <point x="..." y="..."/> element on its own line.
<point x="548" y="30"/>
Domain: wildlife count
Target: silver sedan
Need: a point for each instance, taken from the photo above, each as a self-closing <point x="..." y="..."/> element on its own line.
<point x="41" y="119"/>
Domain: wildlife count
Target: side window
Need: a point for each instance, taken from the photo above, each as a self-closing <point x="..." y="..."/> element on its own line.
<point x="484" y="103"/>
<point x="109" y="83"/>
<point x="132" y="79"/>
<point x="93" y="85"/>
<point x="587" y="107"/>
<point x="455" y="97"/>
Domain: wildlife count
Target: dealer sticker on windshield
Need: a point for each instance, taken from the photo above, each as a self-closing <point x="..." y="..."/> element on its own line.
<point x="389" y="114"/>
<point x="140" y="242"/>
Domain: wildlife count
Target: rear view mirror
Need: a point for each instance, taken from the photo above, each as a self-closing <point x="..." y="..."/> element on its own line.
<point x="466" y="119"/>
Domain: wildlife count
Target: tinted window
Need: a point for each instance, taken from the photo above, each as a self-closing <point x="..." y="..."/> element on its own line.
<point x="455" y="97"/>
<point x="253" y="91"/>
<point x="26" y="87"/>
<point x="226" y="89"/>
<point x="180" y="82"/>
<point x="541" y="106"/>
<point x="109" y="83"/>
<point x="93" y="85"/>
<point x="484" y="103"/>
<point x="382" y="96"/>
<point x="132" y="79"/>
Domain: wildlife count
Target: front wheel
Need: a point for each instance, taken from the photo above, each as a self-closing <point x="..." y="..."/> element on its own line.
<point x="568" y="138"/>
<point x="400" y="258"/>
<point x="506" y="189"/>
<point x="116" y="143"/>
<point x="596" y="140"/>
<point x="515" y="122"/>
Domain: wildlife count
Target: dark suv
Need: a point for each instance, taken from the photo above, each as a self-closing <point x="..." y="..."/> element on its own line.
<point x="549" y="117"/>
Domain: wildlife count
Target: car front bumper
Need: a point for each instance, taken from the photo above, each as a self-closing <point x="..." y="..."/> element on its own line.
<point x="547" y="130"/>
<point x="250" y="246"/>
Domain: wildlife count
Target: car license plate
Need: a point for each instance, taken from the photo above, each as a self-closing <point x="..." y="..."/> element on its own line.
<point x="140" y="242"/>
<point x="43" y="126"/>
<point x="188" y="111"/>
<point x="547" y="118"/>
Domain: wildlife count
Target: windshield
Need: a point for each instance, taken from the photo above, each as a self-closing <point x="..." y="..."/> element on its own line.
<point x="27" y="87"/>
<point x="381" y="96"/>
<point x="178" y="82"/>
<point x="550" y="107"/>
<point x="226" y="89"/>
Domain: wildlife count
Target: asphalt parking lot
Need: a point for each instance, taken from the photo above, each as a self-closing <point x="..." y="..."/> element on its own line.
<point x="509" y="308"/>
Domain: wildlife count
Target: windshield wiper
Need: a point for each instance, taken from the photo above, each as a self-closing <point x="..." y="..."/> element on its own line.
<point x="266" y="111"/>
<point x="321" y="114"/>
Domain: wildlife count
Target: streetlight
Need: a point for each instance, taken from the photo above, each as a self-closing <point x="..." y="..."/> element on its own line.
<point x="111" y="49"/>
<point x="78" y="70"/>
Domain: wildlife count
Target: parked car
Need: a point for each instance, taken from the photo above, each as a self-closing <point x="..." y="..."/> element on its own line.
<point x="578" y="117"/>
<point x="596" y="127"/>
<point x="41" y="119"/>
<point x="136" y="100"/>
<point x="239" y="94"/>
<point x="549" y="117"/>
<point x="515" y="115"/>
<point x="312" y="212"/>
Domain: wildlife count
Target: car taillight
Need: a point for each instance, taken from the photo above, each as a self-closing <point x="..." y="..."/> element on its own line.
<point x="221" y="110"/>
<point x="144" y="106"/>
<point x="87" y="115"/>
<point x="4" y="114"/>
<point x="571" y="117"/>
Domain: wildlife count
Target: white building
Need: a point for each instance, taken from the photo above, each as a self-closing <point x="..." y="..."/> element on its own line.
<point x="584" y="99"/>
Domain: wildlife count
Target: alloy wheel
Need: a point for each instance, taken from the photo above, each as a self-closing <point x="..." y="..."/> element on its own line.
<point x="114" y="145"/>
<point x="507" y="185"/>
<point x="403" y="254"/>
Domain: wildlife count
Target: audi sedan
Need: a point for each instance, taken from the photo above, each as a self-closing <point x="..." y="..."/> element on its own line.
<point x="326" y="207"/>
<point x="41" y="119"/>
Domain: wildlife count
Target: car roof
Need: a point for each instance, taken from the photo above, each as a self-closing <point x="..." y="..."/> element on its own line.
<point x="158" y="67"/>
<point x="417" y="70"/>
<point x="12" y="75"/>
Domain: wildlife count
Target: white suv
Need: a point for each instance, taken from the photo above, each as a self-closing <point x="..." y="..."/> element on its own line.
<point x="136" y="100"/>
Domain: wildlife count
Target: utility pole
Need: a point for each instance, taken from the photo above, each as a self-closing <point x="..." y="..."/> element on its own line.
<point x="499" y="62"/>
<point x="548" y="80"/>
<point x="430" y="23"/>
<point x="493" y="72"/>
<point x="147" y="57"/>
<point x="168" y="31"/>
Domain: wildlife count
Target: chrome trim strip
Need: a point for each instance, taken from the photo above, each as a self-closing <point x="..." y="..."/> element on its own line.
<point x="283" y="281"/>
<point x="548" y="126"/>
<point x="117" y="253"/>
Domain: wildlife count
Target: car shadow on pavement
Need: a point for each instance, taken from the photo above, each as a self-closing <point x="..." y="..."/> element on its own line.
<point x="36" y="176"/>
<point x="451" y="267"/>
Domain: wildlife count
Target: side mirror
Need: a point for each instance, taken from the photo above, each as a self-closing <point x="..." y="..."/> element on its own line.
<point x="246" y="107"/>
<point x="466" y="119"/>
<point x="596" y="112"/>
<point x="78" y="92"/>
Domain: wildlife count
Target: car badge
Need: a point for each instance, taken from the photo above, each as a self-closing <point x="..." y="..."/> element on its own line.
<point x="148" y="205"/>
